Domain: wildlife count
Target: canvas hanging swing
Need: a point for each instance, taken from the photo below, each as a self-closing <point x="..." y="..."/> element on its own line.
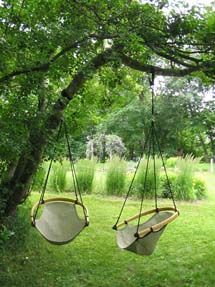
<point x="59" y="221"/>
<point x="141" y="238"/>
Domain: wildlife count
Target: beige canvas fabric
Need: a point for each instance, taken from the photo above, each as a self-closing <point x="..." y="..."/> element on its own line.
<point x="146" y="245"/>
<point x="59" y="222"/>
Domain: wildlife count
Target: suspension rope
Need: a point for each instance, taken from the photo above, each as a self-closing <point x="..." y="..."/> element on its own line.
<point x="132" y="181"/>
<point x="72" y="164"/>
<point x="145" y="181"/>
<point x="74" y="178"/>
<point x="41" y="200"/>
<point x="152" y="139"/>
<point x="165" y="171"/>
<point x="74" y="175"/>
<point x="154" y="168"/>
<point x="151" y="83"/>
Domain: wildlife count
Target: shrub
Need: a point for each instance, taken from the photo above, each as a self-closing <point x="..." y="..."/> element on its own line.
<point x="5" y="234"/>
<point x="39" y="177"/>
<point x="116" y="176"/>
<point x="85" y="174"/>
<point x="199" y="188"/>
<point x="149" y="191"/>
<point x="183" y="188"/>
<point x="15" y="230"/>
<point x="164" y="186"/>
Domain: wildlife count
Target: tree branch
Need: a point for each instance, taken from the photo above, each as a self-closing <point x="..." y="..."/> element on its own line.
<point x="40" y="68"/>
<point x="45" y="66"/>
<point x="75" y="85"/>
<point x="174" y="58"/>
<point x="158" y="70"/>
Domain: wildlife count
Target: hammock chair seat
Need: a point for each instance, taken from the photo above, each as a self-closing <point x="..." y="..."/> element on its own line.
<point x="149" y="232"/>
<point x="143" y="237"/>
<point x="59" y="222"/>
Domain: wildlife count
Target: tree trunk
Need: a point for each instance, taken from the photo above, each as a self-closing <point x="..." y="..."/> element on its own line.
<point x="103" y="150"/>
<point x="18" y="185"/>
<point x="204" y="147"/>
<point x="10" y="170"/>
<point x="131" y="153"/>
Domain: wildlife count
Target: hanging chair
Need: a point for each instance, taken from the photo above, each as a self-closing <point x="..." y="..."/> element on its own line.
<point x="149" y="232"/>
<point x="59" y="222"/>
<point x="61" y="219"/>
<point x="142" y="237"/>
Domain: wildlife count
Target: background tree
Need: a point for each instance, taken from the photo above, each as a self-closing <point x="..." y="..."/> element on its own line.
<point x="102" y="146"/>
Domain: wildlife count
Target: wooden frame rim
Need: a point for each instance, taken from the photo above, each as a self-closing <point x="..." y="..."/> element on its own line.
<point x="155" y="227"/>
<point x="59" y="199"/>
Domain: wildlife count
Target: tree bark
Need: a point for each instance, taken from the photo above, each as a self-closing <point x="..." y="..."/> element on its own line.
<point x="204" y="147"/>
<point x="131" y="153"/>
<point x="18" y="186"/>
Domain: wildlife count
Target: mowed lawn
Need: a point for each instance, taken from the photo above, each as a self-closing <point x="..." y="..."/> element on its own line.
<point x="185" y="254"/>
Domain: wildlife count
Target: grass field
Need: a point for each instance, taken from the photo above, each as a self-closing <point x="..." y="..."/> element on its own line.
<point x="183" y="257"/>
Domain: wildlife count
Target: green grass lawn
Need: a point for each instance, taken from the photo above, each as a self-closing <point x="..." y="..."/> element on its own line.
<point x="184" y="255"/>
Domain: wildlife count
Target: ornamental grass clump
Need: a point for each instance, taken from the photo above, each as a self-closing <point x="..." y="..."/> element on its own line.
<point x="85" y="173"/>
<point x="171" y="162"/>
<point x="116" y="176"/>
<point x="57" y="179"/>
<point x="183" y="188"/>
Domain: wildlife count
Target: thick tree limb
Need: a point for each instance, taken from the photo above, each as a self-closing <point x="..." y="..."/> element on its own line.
<point x="39" y="68"/>
<point x="173" y="54"/>
<point x="158" y="70"/>
<point x="45" y="66"/>
<point x="76" y="84"/>
<point x="174" y="59"/>
<point x="126" y="60"/>
<point x="30" y="158"/>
